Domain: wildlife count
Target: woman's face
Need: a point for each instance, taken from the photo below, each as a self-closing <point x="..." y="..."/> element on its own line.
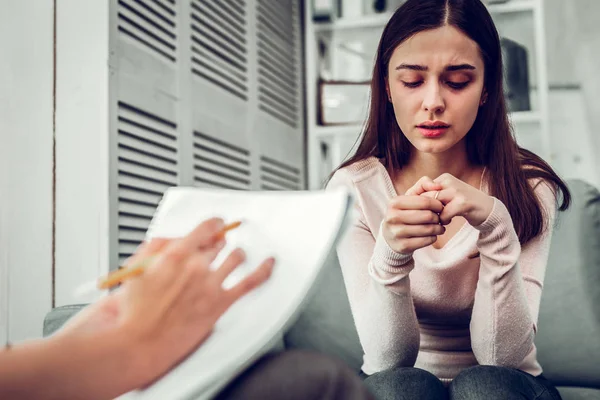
<point x="435" y="82"/>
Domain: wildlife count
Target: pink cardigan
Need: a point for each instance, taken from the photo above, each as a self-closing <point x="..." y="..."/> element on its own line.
<point x="436" y="309"/>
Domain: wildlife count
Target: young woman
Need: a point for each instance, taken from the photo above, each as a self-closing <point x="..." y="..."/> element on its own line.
<point x="445" y="262"/>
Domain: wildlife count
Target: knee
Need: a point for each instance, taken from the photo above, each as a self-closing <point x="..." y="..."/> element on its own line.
<point x="481" y="381"/>
<point x="405" y="383"/>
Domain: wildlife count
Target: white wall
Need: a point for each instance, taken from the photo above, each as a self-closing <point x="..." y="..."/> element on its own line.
<point x="82" y="146"/>
<point x="26" y="84"/>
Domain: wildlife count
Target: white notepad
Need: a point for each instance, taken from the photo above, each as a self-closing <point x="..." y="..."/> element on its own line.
<point x="298" y="228"/>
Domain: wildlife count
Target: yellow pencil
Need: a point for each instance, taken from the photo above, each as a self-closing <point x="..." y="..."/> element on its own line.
<point x="117" y="277"/>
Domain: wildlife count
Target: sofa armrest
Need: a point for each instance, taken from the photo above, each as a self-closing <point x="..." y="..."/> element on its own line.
<point x="57" y="317"/>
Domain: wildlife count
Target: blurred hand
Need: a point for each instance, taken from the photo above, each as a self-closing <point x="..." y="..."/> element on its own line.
<point x="169" y="310"/>
<point x="412" y="220"/>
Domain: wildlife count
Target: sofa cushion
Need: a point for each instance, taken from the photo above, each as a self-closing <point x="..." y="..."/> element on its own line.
<point x="573" y="393"/>
<point x="568" y="338"/>
<point x="326" y="323"/>
<point x="57" y="317"/>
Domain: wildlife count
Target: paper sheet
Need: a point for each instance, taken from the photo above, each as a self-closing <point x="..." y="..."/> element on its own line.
<point x="297" y="228"/>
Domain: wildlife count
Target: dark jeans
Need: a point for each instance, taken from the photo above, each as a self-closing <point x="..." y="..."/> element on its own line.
<point x="476" y="383"/>
<point x="297" y="375"/>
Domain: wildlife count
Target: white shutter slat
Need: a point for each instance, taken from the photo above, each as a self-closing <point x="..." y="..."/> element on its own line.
<point x="152" y="15"/>
<point x="130" y="222"/>
<point x="166" y="5"/>
<point x="142" y="184"/>
<point x="279" y="75"/>
<point x="135" y="155"/>
<point x="279" y="124"/>
<point x="147" y="165"/>
<point x="151" y="30"/>
<point x="277" y="175"/>
<point x="214" y="34"/>
<point x="151" y="121"/>
<point x="227" y="69"/>
<point x="132" y="235"/>
<point x="235" y="10"/>
<point x="220" y="164"/>
<point x="222" y="15"/>
<point x="147" y="171"/>
<point x="219" y="46"/>
<point x="150" y="25"/>
<point x="144" y="134"/>
<point x="141" y="210"/>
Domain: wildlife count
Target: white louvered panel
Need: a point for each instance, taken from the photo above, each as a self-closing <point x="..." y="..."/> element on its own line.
<point x="277" y="175"/>
<point x="132" y="222"/>
<point x="278" y="64"/>
<point x="134" y="155"/>
<point x="219" y="46"/>
<point x="142" y="184"/>
<point x="148" y="121"/>
<point x="223" y="16"/>
<point x="141" y="195"/>
<point x="279" y="124"/>
<point x="147" y="166"/>
<point x="150" y="25"/>
<point x="133" y="208"/>
<point x="147" y="171"/>
<point x="220" y="164"/>
<point x="157" y="17"/>
<point x="132" y="235"/>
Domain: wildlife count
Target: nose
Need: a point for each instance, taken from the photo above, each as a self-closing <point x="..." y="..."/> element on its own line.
<point x="433" y="101"/>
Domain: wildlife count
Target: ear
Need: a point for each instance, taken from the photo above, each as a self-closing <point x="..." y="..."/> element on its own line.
<point x="387" y="90"/>
<point x="484" y="96"/>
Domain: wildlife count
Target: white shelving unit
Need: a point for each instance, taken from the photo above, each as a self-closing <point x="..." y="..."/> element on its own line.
<point x="520" y="20"/>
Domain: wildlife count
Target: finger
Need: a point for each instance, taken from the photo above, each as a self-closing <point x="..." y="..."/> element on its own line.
<point x="416" y="203"/>
<point x="425" y="184"/>
<point x="413" y="231"/>
<point x="255" y="279"/>
<point x="450" y="211"/>
<point x="412" y="217"/>
<point x="205" y="234"/>
<point x="417" y="243"/>
<point x="232" y="261"/>
<point x="444" y="196"/>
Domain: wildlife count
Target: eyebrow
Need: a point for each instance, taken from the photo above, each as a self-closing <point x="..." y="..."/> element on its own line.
<point x="449" y="68"/>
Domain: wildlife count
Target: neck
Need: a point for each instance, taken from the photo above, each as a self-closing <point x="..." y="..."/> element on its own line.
<point x="454" y="161"/>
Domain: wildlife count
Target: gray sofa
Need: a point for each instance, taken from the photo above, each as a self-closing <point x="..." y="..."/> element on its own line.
<point x="568" y="338"/>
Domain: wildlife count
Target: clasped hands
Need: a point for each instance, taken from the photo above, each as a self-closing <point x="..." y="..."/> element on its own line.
<point x="416" y="219"/>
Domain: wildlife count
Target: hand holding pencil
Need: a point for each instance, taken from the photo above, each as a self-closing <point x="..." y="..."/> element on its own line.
<point x="115" y="278"/>
<point x="167" y="309"/>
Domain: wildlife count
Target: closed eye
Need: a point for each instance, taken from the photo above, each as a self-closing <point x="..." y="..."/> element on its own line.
<point x="457" y="85"/>
<point x="412" y="84"/>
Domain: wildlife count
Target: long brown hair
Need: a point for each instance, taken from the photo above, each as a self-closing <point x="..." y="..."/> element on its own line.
<point x="490" y="141"/>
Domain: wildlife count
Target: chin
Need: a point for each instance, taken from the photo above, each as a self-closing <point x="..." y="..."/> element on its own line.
<point x="433" y="147"/>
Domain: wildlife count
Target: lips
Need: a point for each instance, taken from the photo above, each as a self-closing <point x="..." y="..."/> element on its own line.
<point x="433" y="129"/>
<point x="433" y="125"/>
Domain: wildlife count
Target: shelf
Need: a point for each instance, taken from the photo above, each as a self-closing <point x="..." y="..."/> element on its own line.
<point x="512" y="6"/>
<point x="366" y="21"/>
<point x="380" y="20"/>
